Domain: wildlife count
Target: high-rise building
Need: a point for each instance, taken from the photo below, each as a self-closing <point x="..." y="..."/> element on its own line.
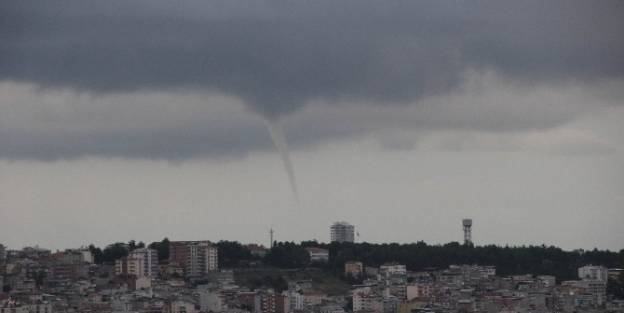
<point x="195" y="257"/>
<point x="2" y="254"/>
<point x="149" y="258"/>
<point x="140" y="263"/>
<point x="269" y="302"/>
<point x="129" y="266"/>
<point x="342" y="232"/>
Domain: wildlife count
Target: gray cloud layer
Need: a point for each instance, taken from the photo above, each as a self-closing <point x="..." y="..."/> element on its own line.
<point x="277" y="55"/>
<point x="281" y="56"/>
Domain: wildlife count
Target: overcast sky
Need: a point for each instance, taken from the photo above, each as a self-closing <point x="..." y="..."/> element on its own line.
<point x="139" y="119"/>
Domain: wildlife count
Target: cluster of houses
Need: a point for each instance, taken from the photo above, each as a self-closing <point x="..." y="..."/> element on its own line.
<point x="36" y="280"/>
<point x="471" y="288"/>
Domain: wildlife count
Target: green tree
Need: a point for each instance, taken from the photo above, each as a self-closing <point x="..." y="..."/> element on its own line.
<point x="162" y="248"/>
<point x="232" y="253"/>
<point x="287" y="255"/>
<point x="98" y="256"/>
<point x="114" y="251"/>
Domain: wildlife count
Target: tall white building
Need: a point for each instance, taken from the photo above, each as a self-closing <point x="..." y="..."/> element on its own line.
<point x="594" y="281"/>
<point x="212" y="258"/>
<point x="196" y="257"/>
<point x="148" y="258"/>
<point x="140" y="263"/>
<point x="342" y="232"/>
<point x="129" y="266"/>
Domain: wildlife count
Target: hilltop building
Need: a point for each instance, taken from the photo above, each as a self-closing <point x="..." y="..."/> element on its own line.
<point x="591" y="272"/>
<point x="318" y="255"/>
<point x="342" y="232"/>
<point x="195" y="257"/>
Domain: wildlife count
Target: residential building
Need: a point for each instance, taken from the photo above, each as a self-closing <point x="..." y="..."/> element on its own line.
<point x="366" y="300"/>
<point x="195" y="257"/>
<point x="269" y="302"/>
<point x="295" y="300"/>
<point x="148" y="258"/>
<point x="257" y="250"/>
<point x="318" y="255"/>
<point x="353" y="268"/>
<point x="74" y="256"/>
<point x="591" y="272"/>
<point x="389" y="271"/>
<point x="130" y="266"/>
<point x="418" y="290"/>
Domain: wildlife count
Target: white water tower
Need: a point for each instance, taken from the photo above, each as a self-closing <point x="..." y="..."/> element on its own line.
<point x="467" y="223"/>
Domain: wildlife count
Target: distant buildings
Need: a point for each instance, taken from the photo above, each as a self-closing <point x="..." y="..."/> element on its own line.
<point x="353" y="269"/>
<point x="318" y="255"/>
<point x="594" y="282"/>
<point x="389" y="271"/>
<point x="614" y="273"/>
<point x="257" y="250"/>
<point x="67" y="282"/>
<point x="149" y="259"/>
<point x="269" y="302"/>
<point x="33" y="253"/>
<point x="366" y="300"/>
<point x="419" y="290"/>
<point x="591" y="272"/>
<point x="393" y="279"/>
<point x="74" y="256"/>
<point x="139" y="262"/>
<point x="195" y="257"/>
<point x="128" y="266"/>
<point x="342" y="232"/>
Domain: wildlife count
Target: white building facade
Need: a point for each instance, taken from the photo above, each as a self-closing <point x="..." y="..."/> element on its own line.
<point x="342" y="232"/>
<point x="148" y="259"/>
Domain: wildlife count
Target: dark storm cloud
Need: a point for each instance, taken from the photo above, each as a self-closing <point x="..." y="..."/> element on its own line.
<point x="276" y="55"/>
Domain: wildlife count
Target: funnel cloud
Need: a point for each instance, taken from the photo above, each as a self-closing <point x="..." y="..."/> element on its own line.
<point x="279" y="140"/>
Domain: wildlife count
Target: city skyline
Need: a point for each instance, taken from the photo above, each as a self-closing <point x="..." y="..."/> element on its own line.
<point x="340" y="231"/>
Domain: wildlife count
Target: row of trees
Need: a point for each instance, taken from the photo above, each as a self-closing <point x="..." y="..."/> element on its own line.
<point x="547" y="260"/>
<point x="113" y="251"/>
<point x="231" y="253"/>
<point x="539" y="260"/>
